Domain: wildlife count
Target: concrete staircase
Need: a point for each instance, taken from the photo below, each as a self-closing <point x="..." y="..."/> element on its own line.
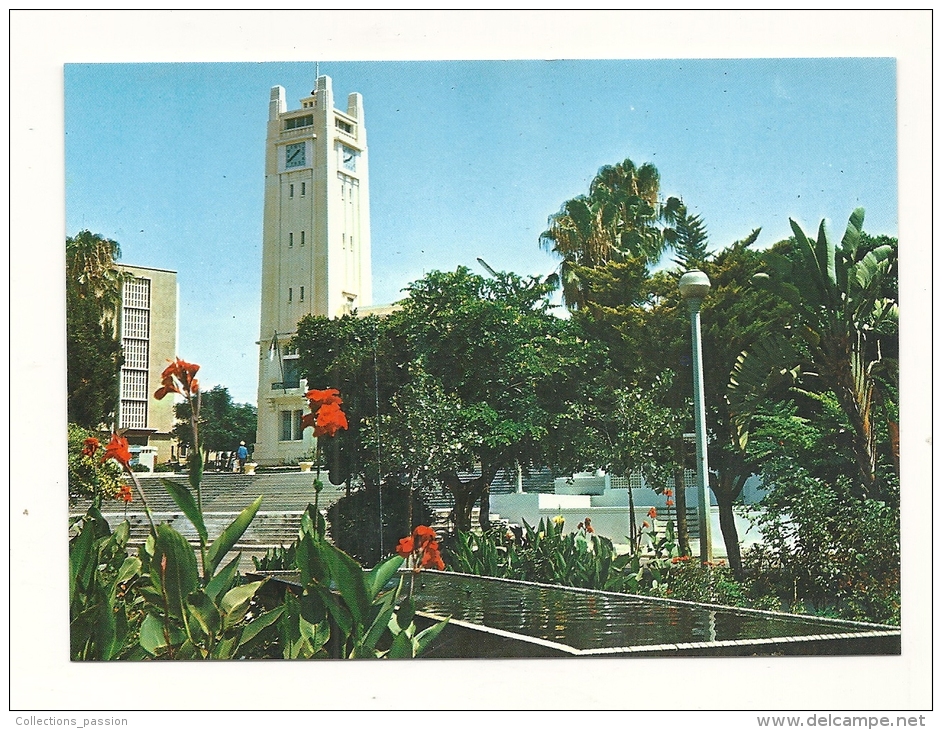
<point x="285" y="496"/>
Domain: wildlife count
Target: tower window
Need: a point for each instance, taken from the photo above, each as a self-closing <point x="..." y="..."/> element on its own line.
<point x="302" y="238"/>
<point x="303" y="189"/>
<point x="294" y="122"/>
<point x="342" y="126"/>
<point x="290" y="239"/>
<point x="290" y="294"/>
<point x="291" y="190"/>
<point x="301" y="298"/>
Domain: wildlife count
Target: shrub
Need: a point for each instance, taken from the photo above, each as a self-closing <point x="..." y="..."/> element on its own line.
<point x="544" y="554"/>
<point x="827" y="551"/>
<point x="355" y="520"/>
<point x="88" y="476"/>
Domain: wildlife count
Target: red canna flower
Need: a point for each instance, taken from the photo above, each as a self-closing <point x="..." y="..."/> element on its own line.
<point x="318" y="398"/>
<point x="330" y="419"/>
<point x="423" y="535"/>
<point x="178" y="377"/>
<point x="669" y="492"/>
<point x="90" y="447"/>
<point x="404" y="548"/>
<point x="124" y="493"/>
<point x="652" y="513"/>
<point x="431" y="558"/>
<point x="670" y="502"/>
<point x="117" y="449"/>
<point x="421" y="548"/>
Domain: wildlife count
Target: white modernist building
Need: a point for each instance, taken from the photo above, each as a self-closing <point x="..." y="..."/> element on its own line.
<point x="315" y="248"/>
<point x="148" y="328"/>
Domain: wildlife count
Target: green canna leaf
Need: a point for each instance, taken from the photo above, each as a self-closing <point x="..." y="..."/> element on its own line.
<point x="224" y="579"/>
<point x="129" y="568"/>
<point x="204" y="613"/>
<point x="252" y="630"/>
<point x="350" y="580"/>
<point x="187" y="504"/>
<point x="153" y="639"/>
<point x="236" y="602"/>
<point x="380" y="575"/>
<point x="426" y="637"/>
<point x="402" y="647"/>
<point x="173" y="569"/>
<point x="379" y="627"/>
<point x="230" y="536"/>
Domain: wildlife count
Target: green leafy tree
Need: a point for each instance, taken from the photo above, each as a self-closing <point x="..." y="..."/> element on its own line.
<point x="644" y="323"/>
<point x="363" y="358"/>
<point x="633" y="314"/>
<point x="470" y="374"/>
<point x="93" y="297"/>
<point x="509" y="376"/>
<point x="223" y="423"/>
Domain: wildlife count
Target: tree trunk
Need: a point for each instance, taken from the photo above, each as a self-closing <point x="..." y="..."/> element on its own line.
<point x="484" y="515"/>
<point x="680" y="498"/>
<point x="464" y="503"/>
<point x="680" y="501"/>
<point x="467" y="493"/>
<point x="730" y="535"/>
<point x="726" y="488"/>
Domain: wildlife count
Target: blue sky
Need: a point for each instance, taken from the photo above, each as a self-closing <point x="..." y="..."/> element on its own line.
<point x="467" y="160"/>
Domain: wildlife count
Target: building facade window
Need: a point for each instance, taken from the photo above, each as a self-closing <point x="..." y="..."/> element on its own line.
<point x="301" y="297"/>
<point x="290" y="294"/>
<point x="135" y="339"/>
<point x="302" y="238"/>
<point x="291" y="190"/>
<point x="290" y="239"/>
<point x="291" y="426"/>
<point x="303" y="189"/>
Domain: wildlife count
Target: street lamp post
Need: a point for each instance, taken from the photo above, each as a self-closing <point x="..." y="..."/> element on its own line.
<point x="694" y="286"/>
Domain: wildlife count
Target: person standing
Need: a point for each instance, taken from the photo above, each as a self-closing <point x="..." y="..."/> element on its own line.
<point x="243" y="455"/>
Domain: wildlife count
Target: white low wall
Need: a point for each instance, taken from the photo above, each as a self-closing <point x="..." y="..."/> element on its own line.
<point x="609" y="514"/>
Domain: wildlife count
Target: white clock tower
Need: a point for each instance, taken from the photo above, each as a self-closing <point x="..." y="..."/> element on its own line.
<point x="315" y="248"/>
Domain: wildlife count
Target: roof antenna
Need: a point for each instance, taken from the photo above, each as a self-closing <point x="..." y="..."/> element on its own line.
<point x="317" y="73"/>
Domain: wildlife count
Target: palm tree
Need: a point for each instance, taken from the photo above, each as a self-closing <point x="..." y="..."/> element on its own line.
<point x="93" y="297"/>
<point x="844" y="319"/>
<point x="91" y="272"/>
<point x="617" y="219"/>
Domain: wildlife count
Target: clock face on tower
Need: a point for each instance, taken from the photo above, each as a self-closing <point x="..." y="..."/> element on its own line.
<point x="349" y="158"/>
<point x="294" y="155"/>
